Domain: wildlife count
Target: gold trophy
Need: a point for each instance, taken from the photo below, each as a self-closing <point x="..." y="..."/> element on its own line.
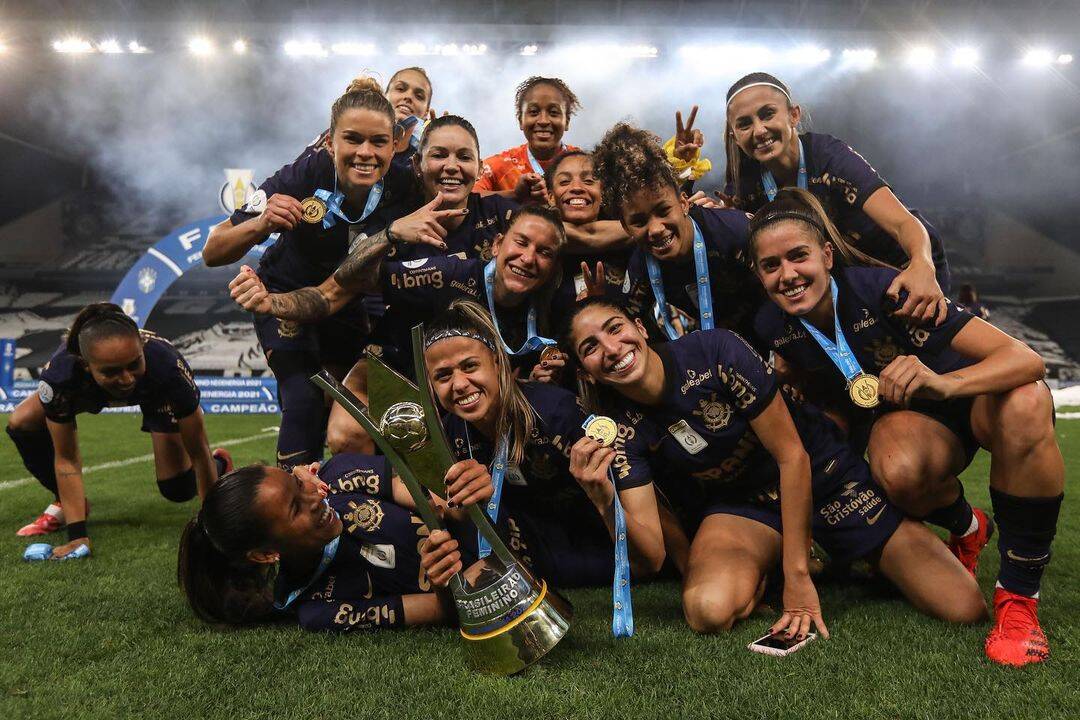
<point x="508" y="617"/>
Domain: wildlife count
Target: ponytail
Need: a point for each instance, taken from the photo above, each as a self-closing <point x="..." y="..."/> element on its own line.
<point x="221" y="585"/>
<point x="98" y="321"/>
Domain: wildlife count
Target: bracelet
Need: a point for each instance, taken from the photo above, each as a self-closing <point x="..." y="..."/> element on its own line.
<point x="390" y="238"/>
<point x="76" y="530"/>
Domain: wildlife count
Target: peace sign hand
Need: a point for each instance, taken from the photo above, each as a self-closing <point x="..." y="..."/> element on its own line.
<point x="426" y="224"/>
<point x="688" y="141"/>
<point x="595" y="283"/>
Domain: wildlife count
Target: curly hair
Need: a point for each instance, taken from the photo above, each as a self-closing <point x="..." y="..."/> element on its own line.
<point x="570" y="100"/>
<point x="629" y="159"/>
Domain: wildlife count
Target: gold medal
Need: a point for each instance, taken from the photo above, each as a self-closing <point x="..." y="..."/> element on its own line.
<point x="549" y="353"/>
<point x="312" y="209"/>
<point x="864" y="391"/>
<point x="602" y="429"/>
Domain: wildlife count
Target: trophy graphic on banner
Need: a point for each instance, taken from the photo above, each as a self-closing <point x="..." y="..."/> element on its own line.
<point x="508" y="617"/>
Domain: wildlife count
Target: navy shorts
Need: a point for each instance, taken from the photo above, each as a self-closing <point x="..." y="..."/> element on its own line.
<point x="956" y="415"/>
<point x="566" y="551"/>
<point x="338" y="340"/>
<point x="852" y="517"/>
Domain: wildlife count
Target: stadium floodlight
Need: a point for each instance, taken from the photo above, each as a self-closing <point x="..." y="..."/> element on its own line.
<point x="859" y="58"/>
<point x="474" y="49"/>
<point x="1064" y="59"/>
<point x="1037" y="58"/>
<point x="305" y="48"/>
<point x="72" y="46"/>
<point x="110" y="47"/>
<point x="530" y="50"/>
<point x="136" y="48"/>
<point x="809" y="55"/>
<point x="3" y="47"/>
<point x="920" y="57"/>
<point x="201" y="46"/>
<point x="239" y="46"/>
<point x="353" y="48"/>
<point x="965" y="57"/>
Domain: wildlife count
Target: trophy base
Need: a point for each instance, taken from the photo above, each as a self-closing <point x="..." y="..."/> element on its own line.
<point x="525" y="639"/>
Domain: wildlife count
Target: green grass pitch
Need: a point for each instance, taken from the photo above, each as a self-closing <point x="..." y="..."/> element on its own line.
<point x="112" y="638"/>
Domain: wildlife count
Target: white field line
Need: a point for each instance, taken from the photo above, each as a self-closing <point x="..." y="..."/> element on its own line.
<point x="1068" y="416"/>
<point x="266" y="432"/>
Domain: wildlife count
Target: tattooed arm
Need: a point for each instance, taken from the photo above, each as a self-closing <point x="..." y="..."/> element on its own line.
<point x="360" y="272"/>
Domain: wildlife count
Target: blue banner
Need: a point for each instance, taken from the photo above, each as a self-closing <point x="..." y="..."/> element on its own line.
<point x="220" y="395"/>
<point x="164" y="263"/>
<point x="7" y="365"/>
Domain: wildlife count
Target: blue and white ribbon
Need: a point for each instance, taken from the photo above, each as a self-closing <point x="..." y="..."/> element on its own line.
<point x="328" y="553"/>
<point x="839" y="352"/>
<point x="622" y="607"/>
<point x="333" y="201"/>
<point x="769" y="182"/>
<point x="498" y="474"/>
<point x="533" y="341"/>
<point x="704" y="289"/>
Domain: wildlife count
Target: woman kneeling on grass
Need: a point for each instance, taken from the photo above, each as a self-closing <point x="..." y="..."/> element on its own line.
<point x="341" y="549"/>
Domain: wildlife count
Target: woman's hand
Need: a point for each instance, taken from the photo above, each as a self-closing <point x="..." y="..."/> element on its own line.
<point x="282" y="212"/>
<point x="440" y="558"/>
<point x="530" y="187"/>
<point x="426" y="224"/>
<point x="468" y="482"/>
<point x="249" y="292"/>
<point x="924" y="300"/>
<point x="688" y="141"/>
<point x="595" y="281"/>
<point x="549" y="368"/>
<point x="906" y="378"/>
<point x="701" y="199"/>
<point x="802" y="609"/>
<point x="589" y="463"/>
<point x="67" y="550"/>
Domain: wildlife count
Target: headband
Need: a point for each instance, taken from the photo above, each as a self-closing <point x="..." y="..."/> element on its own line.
<point x="448" y="333"/>
<point x="778" y="215"/>
<point x="756" y="84"/>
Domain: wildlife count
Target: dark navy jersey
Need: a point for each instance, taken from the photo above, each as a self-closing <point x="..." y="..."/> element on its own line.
<point x="417" y="290"/>
<point x="166" y="389"/>
<point x="842" y="180"/>
<point x="378" y="557"/>
<point x="541" y="483"/>
<point x="487" y="218"/>
<point x="308" y="254"/>
<point x="736" y="293"/>
<point x="697" y="443"/>
<point x="874" y="334"/>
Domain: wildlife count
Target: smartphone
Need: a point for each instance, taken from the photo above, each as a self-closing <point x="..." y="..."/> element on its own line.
<point x="779" y="645"/>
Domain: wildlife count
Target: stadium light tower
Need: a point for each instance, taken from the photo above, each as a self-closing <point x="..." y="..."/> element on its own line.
<point x="110" y="47"/>
<point x="1064" y="59"/>
<point x="859" y="58"/>
<point x="530" y="50"/>
<point x="136" y="48"/>
<point x="1037" y="58"/>
<point x="920" y="57"/>
<point x="965" y="57"/>
<point x="72" y="46"/>
<point x="239" y="46"/>
<point x="201" y="46"/>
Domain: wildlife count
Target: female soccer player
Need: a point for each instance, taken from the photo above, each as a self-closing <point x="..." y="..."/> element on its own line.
<point x="544" y="107"/>
<point x="947" y="388"/>
<point x="318" y="205"/>
<point x="766" y="152"/>
<point x="742" y="461"/>
<point x="348" y="552"/>
<point x="524" y="432"/>
<point x="689" y="257"/>
<point x="107" y="361"/>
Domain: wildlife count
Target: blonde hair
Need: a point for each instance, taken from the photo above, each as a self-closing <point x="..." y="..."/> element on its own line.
<point x="516" y="417"/>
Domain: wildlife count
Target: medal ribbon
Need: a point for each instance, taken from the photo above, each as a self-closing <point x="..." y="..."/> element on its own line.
<point x="622" y="612"/>
<point x="769" y="182"/>
<point x="416" y="125"/>
<point x="328" y="553"/>
<point x="704" y="290"/>
<point x="839" y="352"/>
<point x="498" y="474"/>
<point x="534" y="342"/>
<point x="536" y="166"/>
<point x="333" y="204"/>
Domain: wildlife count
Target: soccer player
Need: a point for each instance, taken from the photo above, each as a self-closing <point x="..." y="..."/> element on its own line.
<point x="766" y="152"/>
<point x="543" y="107"/>
<point x="107" y="361"/>
<point x="347" y="547"/>
<point x="707" y="422"/>
<point x="524" y="432"/>
<point x="686" y="256"/>
<point x="946" y="388"/>
<point x="348" y="192"/>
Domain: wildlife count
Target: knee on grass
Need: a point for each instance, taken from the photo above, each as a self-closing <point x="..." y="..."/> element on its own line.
<point x="712" y="610"/>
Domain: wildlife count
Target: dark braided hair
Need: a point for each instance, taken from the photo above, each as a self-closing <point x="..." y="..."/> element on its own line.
<point x="98" y="321"/>
<point x="570" y="100"/>
<point x="628" y="160"/>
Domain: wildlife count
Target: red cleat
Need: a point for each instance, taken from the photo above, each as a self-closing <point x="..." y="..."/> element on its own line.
<point x="226" y="460"/>
<point x="44" y="525"/>
<point x="967" y="548"/>
<point x="1016" y="638"/>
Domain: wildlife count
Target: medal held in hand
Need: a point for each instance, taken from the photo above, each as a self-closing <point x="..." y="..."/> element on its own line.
<point x="313" y="210"/>
<point x="602" y="429"/>
<point x="864" y="390"/>
<point x="509" y="618"/>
